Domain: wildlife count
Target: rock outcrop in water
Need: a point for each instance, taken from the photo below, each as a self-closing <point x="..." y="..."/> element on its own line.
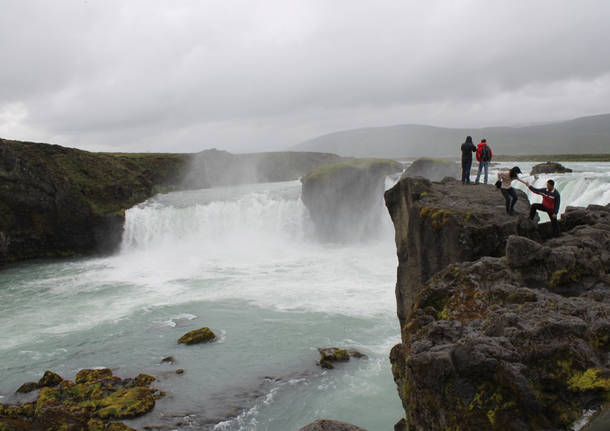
<point x="196" y="336"/>
<point x="503" y="328"/>
<point x="94" y="401"/>
<point x="549" y="168"/>
<point x="57" y="201"/>
<point x="344" y="199"/>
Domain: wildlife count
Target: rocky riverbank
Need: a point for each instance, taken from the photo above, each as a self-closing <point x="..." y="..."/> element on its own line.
<point x="503" y="328"/>
<point x="57" y="201"/>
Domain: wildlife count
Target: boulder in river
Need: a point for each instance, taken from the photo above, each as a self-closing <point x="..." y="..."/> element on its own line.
<point x="549" y="168"/>
<point x="196" y="336"/>
<point x="329" y="355"/>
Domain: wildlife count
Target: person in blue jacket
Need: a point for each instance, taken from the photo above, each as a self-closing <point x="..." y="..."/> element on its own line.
<point x="550" y="203"/>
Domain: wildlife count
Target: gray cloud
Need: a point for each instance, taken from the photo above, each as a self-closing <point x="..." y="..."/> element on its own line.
<point x="249" y="75"/>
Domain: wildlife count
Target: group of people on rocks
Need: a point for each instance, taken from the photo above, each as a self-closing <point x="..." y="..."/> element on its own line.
<point x="483" y="154"/>
<point x="550" y="195"/>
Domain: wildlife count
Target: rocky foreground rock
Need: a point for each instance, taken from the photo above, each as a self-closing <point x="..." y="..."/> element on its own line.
<point x="95" y="401"/>
<point x="503" y="328"/>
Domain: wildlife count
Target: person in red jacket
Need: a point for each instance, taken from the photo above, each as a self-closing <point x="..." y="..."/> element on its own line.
<point x="550" y="203"/>
<point x="484" y="156"/>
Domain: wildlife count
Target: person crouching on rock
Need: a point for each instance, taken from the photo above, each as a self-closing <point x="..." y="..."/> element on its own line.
<point x="510" y="195"/>
<point x="550" y="203"/>
<point x="467" y="149"/>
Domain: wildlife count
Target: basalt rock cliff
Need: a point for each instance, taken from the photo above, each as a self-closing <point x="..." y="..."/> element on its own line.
<point x="503" y="327"/>
<point x="345" y="199"/>
<point x="57" y="201"/>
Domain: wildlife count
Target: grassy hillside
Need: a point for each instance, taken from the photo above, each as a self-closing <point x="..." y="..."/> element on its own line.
<point x="583" y="135"/>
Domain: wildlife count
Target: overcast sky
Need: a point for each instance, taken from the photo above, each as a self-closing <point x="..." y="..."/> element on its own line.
<point x="183" y="76"/>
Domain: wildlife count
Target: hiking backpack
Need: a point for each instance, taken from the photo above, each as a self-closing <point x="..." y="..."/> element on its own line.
<point x="485" y="153"/>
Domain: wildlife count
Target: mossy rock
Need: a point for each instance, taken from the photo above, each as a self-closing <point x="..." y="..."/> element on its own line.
<point x="14" y="424"/>
<point x="334" y="354"/>
<point x="95" y="425"/>
<point x="27" y="387"/>
<point x="330" y="355"/>
<point x="143" y="380"/>
<point x="87" y="376"/>
<point x="126" y="403"/>
<point x="49" y="379"/>
<point x="89" y="404"/>
<point x="202" y="335"/>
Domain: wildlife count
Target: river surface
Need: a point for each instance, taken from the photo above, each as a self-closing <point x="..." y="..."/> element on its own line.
<point x="243" y="261"/>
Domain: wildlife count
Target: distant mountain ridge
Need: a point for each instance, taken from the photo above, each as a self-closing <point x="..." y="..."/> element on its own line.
<point x="582" y="135"/>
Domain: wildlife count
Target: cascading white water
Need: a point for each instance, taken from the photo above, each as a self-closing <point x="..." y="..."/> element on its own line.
<point x="252" y="220"/>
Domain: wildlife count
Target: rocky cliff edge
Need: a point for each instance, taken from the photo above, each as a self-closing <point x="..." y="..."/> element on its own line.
<point x="57" y="201"/>
<point x="503" y="328"/>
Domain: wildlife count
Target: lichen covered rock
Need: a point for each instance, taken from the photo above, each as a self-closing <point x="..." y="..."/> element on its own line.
<point x="196" y="336"/>
<point x="90" y="403"/>
<point x="330" y="355"/>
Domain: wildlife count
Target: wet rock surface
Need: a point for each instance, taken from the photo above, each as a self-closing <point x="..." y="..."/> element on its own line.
<point x="94" y="401"/>
<point x="549" y="168"/>
<point x="196" y="336"/>
<point x="331" y="355"/>
<point x="502" y="327"/>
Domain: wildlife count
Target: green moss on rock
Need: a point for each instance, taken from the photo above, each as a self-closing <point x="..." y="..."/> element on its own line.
<point x="90" y="404"/>
<point x="87" y="376"/>
<point x="202" y="335"/>
<point x="588" y="380"/>
<point x="49" y="379"/>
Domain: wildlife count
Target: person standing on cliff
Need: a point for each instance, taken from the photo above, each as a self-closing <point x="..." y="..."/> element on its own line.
<point x="509" y="193"/>
<point x="550" y="203"/>
<point x="484" y="156"/>
<point x="467" y="149"/>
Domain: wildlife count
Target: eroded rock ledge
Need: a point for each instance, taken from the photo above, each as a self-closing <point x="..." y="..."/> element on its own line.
<point x="57" y="201"/>
<point x="502" y="328"/>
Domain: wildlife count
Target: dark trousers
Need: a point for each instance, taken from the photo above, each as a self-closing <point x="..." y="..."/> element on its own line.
<point x="466" y="165"/>
<point x="554" y="222"/>
<point x="510" y="196"/>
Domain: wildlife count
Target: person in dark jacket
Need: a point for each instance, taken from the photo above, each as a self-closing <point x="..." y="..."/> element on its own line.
<point x="467" y="149"/>
<point x="550" y="203"/>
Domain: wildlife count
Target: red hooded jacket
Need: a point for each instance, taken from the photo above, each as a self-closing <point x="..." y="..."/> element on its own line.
<point x="479" y="149"/>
